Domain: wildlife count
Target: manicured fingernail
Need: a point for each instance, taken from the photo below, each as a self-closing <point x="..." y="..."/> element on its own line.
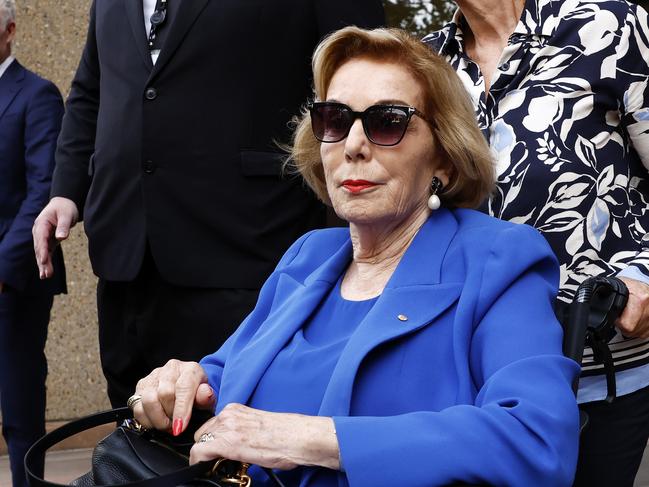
<point x="177" y="427"/>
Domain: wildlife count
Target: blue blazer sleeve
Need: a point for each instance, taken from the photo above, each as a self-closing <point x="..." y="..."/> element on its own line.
<point x="42" y="123"/>
<point x="522" y="428"/>
<point x="213" y="364"/>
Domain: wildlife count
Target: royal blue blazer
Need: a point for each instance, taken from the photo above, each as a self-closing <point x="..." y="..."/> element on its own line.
<point x="456" y="374"/>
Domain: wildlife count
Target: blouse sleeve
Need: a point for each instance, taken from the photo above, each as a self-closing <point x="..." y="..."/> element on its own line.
<point x="522" y="428"/>
<point x="632" y="72"/>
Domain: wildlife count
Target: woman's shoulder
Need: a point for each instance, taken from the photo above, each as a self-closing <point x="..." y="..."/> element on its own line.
<point x="491" y="254"/>
<point x="483" y="234"/>
<point x="471" y="220"/>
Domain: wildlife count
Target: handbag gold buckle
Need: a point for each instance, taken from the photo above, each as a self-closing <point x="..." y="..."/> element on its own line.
<point x="133" y="425"/>
<point x="240" y="477"/>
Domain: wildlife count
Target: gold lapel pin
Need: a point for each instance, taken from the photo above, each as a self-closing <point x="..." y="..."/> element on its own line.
<point x="402" y="318"/>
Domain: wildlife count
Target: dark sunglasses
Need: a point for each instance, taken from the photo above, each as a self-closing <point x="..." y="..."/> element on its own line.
<point x="383" y="124"/>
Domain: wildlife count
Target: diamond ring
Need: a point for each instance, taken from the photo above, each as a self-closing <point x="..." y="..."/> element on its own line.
<point x="205" y="437"/>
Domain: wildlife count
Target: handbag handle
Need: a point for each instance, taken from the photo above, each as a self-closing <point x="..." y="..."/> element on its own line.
<point x="38" y="449"/>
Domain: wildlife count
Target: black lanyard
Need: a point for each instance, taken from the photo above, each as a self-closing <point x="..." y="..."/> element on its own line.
<point x="157" y="19"/>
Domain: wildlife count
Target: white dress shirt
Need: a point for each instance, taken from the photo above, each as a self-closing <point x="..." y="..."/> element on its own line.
<point x="5" y="64"/>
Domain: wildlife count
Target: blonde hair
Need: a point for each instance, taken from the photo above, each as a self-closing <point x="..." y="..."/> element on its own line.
<point x="459" y="143"/>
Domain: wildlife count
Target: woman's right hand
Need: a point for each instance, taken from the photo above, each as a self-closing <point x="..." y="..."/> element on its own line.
<point x="169" y="393"/>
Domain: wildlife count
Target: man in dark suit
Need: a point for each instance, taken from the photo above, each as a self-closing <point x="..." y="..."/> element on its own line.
<point x="30" y="119"/>
<point x="169" y="154"/>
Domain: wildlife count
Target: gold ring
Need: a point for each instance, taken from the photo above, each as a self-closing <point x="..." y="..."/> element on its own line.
<point x="133" y="400"/>
<point x="205" y="437"/>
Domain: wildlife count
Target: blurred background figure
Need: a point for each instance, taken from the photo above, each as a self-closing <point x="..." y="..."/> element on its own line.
<point x="30" y="119"/>
<point x="168" y="153"/>
<point x="561" y="92"/>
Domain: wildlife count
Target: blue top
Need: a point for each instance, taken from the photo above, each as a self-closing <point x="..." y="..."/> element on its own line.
<point x="297" y="378"/>
<point x="456" y="372"/>
<point x="567" y="118"/>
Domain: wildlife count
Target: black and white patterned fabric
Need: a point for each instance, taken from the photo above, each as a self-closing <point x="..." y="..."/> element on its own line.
<point x="567" y="118"/>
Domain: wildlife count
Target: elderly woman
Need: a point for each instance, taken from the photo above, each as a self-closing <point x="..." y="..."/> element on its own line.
<point x="560" y="89"/>
<point x="418" y="347"/>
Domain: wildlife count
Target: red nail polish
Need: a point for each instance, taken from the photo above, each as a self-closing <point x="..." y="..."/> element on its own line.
<point x="177" y="427"/>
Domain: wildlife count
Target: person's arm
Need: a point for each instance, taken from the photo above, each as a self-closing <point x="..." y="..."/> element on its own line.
<point x="77" y="140"/>
<point x="170" y="392"/>
<point x="70" y="182"/>
<point x="523" y="426"/>
<point x="41" y="128"/>
<point x="274" y="440"/>
<point x="631" y="72"/>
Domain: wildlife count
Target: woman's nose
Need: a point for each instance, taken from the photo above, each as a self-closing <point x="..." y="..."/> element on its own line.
<point x="356" y="144"/>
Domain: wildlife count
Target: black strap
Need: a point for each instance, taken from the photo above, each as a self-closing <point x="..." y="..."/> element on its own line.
<point x="38" y="449"/>
<point x="598" y="302"/>
<point x="157" y="23"/>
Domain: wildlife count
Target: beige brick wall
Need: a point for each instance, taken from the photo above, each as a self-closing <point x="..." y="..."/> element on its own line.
<point x="49" y="41"/>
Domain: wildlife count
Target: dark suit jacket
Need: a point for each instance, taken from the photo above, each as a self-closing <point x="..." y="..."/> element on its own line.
<point x="183" y="154"/>
<point x="30" y="119"/>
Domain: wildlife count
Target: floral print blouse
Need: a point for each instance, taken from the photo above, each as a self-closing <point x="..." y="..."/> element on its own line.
<point x="567" y="117"/>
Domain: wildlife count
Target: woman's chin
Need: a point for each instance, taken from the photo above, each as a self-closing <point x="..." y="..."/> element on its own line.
<point x="358" y="212"/>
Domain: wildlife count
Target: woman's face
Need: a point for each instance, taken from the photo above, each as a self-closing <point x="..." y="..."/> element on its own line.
<point x="372" y="184"/>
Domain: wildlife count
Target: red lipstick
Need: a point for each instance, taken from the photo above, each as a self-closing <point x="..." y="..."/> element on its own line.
<point x="357" y="185"/>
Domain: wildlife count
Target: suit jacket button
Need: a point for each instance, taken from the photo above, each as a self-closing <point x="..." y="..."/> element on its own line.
<point x="148" y="167"/>
<point x="150" y="94"/>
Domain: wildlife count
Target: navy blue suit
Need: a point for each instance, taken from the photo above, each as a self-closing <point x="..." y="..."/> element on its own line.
<point x="31" y="109"/>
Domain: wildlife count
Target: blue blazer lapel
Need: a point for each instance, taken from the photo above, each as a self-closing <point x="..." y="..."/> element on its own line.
<point x="414" y="291"/>
<point x="10" y="85"/>
<point x="412" y="299"/>
<point x="301" y="299"/>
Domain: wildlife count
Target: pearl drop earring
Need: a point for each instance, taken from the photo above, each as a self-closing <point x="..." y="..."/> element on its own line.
<point x="435" y="187"/>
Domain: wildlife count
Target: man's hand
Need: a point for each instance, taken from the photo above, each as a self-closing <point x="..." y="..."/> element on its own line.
<point x="1" y="286"/>
<point x="52" y="226"/>
<point x="634" y="321"/>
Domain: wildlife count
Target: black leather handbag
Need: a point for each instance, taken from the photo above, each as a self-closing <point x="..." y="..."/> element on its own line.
<point x="134" y="457"/>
